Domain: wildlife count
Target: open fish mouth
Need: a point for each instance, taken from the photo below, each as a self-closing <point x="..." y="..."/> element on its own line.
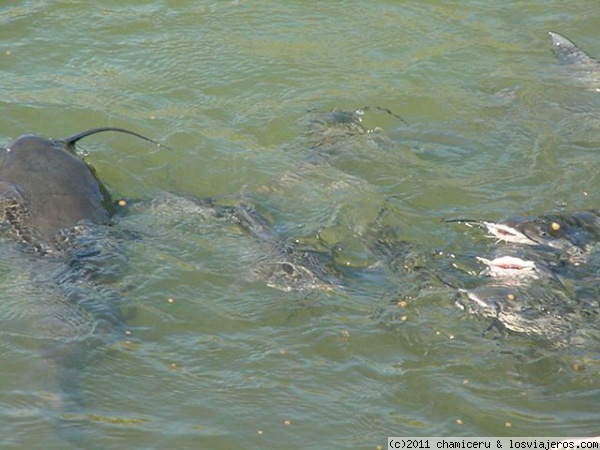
<point x="505" y="233"/>
<point x="502" y="232"/>
<point x="572" y="234"/>
<point x="509" y="267"/>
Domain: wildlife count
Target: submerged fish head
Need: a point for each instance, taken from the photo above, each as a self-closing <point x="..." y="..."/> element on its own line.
<point x="570" y="234"/>
<point x="45" y="188"/>
<point x="536" y="310"/>
<point x="288" y="276"/>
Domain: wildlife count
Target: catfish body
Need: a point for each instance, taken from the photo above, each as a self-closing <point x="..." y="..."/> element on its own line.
<point x="47" y="192"/>
<point x="45" y="189"/>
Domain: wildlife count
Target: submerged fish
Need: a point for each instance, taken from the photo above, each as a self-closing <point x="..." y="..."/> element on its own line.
<point x="284" y="264"/>
<point x="537" y="309"/>
<point x="59" y="213"/>
<point x="538" y="281"/>
<point x="48" y="194"/>
<point x="569" y="53"/>
<point x="573" y="234"/>
<point x="338" y="132"/>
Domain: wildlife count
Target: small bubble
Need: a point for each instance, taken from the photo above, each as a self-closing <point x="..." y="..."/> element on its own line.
<point x="259" y="432"/>
<point x="287" y="422"/>
<point x="170" y="300"/>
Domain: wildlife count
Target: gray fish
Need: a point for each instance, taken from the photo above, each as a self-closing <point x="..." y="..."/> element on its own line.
<point x="535" y="282"/>
<point x="52" y="203"/>
<point x="537" y="309"/>
<point x="337" y="132"/>
<point x="572" y="234"/>
<point x="570" y="54"/>
<point x="285" y="264"/>
<point x="47" y="192"/>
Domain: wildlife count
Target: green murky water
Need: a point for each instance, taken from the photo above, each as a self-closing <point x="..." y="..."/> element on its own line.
<point x="495" y="126"/>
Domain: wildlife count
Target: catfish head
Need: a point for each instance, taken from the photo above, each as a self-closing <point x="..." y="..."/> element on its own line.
<point x="46" y="189"/>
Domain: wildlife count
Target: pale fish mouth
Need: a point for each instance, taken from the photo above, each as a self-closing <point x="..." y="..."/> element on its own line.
<point x="506" y="233"/>
<point x="509" y="267"/>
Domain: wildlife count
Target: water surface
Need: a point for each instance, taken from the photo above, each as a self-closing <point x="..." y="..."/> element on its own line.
<point x="494" y="127"/>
